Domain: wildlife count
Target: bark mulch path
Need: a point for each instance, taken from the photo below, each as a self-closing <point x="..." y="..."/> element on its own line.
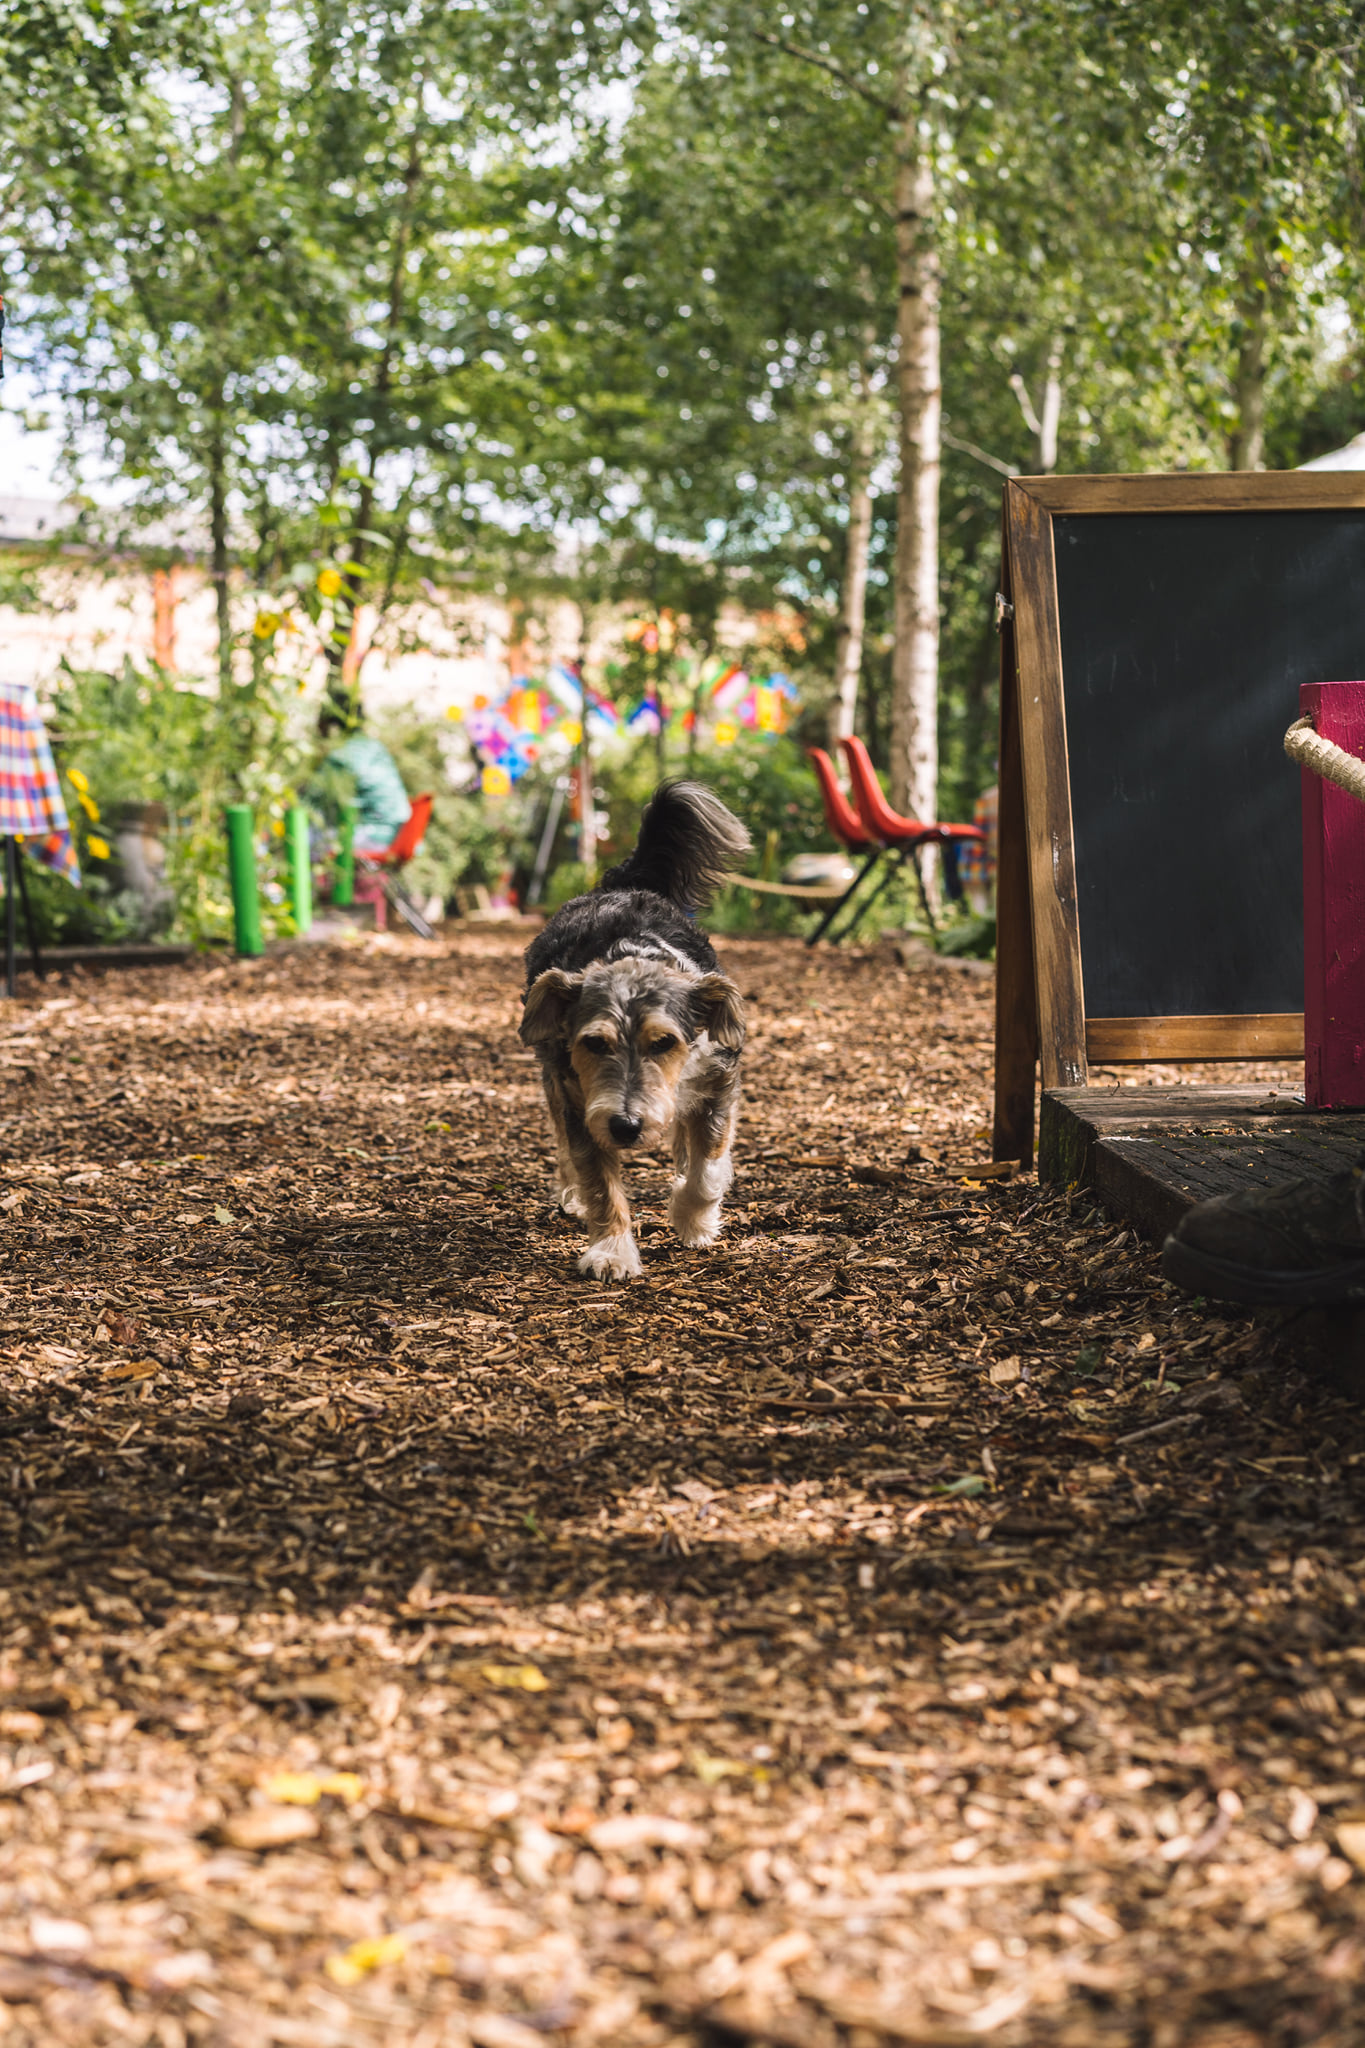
<point x="906" y="1624"/>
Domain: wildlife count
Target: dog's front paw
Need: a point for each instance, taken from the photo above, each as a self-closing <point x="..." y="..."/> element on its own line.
<point x="612" y="1258"/>
<point x="569" y="1202"/>
<point x="695" y="1226"/>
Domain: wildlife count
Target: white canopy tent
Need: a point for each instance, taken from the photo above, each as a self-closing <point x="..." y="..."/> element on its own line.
<point x="1352" y="456"/>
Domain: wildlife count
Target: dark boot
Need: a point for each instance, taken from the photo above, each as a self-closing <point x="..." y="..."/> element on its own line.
<point x="1301" y="1244"/>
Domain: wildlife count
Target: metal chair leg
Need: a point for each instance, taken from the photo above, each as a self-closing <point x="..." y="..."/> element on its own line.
<point x="925" y="904"/>
<point x="852" y="889"/>
<point x="893" y="869"/>
<point x="29" y="925"/>
<point x="11" y="862"/>
<point x="406" y="908"/>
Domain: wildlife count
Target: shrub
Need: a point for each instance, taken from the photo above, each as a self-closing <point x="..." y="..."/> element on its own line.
<point x="141" y="737"/>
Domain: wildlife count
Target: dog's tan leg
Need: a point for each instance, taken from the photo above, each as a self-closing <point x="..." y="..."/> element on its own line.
<point x="613" y="1254"/>
<point x="694" y="1209"/>
<point x="567" y="1194"/>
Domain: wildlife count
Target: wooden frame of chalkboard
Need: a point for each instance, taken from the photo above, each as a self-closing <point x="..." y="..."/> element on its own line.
<point x="1041" y="1015"/>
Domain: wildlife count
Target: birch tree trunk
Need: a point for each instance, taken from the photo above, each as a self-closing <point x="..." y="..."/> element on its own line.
<point x="848" y="654"/>
<point x="914" y="661"/>
<point x="1246" y="442"/>
<point x="1051" y="421"/>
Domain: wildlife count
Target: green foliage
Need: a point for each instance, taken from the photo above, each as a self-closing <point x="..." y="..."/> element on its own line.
<point x="968" y="938"/>
<point x="396" y="293"/>
<point x="569" y="879"/>
<point x="139" y="737"/>
<point x="19" y="587"/>
<point x="99" y="913"/>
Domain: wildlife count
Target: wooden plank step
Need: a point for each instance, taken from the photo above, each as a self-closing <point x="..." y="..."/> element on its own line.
<point x="1149" y="1153"/>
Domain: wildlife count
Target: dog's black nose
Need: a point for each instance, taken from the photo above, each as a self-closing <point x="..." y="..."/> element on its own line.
<point x="625" y="1129"/>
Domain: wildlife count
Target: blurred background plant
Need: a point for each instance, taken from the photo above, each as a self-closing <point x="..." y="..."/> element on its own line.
<point x="149" y="761"/>
<point x="148" y="765"/>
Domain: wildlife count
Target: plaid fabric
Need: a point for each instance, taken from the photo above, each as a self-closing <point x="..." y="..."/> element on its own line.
<point x="978" y="862"/>
<point x="31" y="806"/>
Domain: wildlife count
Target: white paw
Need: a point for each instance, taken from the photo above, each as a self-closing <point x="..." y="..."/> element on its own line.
<point x="569" y="1202"/>
<point x="695" y="1226"/>
<point x="612" y="1258"/>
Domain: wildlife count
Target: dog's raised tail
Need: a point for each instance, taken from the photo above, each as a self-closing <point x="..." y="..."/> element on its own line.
<point x="688" y="844"/>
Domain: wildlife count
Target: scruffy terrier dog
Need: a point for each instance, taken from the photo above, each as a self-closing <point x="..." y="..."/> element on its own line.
<point x="639" y="1033"/>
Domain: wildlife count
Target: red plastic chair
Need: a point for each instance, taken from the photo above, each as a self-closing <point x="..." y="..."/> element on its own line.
<point x="878" y="818"/>
<point x="900" y="835"/>
<point x="845" y="826"/>
<point x="377" y="870"/>
<point x="840" y="816"/>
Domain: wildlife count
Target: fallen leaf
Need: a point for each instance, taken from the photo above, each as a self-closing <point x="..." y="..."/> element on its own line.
<point x="134" y="1369"/>
<point x="515" y="1677"/>
<point x="363" y="1956"/>
<point x="223" y="1215"/>
<point x="712" y="1770"/>
<point x="305" y="1788"/>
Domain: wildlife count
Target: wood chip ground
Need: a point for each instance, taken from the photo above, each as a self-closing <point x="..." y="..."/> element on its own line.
<point x="908" y="1623"/>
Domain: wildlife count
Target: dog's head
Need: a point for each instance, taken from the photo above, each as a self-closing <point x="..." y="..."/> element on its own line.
<point x="630" y="1028"/>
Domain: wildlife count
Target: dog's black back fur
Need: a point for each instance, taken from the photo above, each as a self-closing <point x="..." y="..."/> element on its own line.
<point x="606" y="926"/>
<point x="688" y="841"/>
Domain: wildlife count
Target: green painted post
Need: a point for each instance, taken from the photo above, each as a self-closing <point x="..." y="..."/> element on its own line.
<point x="246" y="907"/>
<point x="343" y="886"/>
<point x="300" y="869"/>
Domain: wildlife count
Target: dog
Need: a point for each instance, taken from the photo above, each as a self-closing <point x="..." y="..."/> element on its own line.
<point x="638" y="1032"/>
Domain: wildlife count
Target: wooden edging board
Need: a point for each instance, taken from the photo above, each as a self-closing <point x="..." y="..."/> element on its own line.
<point x="1041" y="1015"/>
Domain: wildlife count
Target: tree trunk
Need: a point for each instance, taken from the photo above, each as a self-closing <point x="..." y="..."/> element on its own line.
<point x="1044" y="430"/>
<point x="1052" y="408"/>
<point x="848" y="647"/>
<point x="1246" y="442"/>
<point x="914" y="667"/>
<point x="345" y="652"/>
<point x="218" y="554"/>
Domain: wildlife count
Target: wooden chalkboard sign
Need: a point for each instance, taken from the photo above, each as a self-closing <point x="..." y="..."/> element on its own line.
<point x="1150" y="882"/>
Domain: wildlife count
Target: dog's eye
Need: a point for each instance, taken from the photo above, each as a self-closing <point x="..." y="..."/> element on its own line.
<point x="660" y="1046"/>
<point x="593" y="1041"/>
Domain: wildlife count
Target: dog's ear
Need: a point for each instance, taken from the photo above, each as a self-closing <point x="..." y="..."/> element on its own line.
<point x="548" y="1001"/>
<point x="718" y="1010"/>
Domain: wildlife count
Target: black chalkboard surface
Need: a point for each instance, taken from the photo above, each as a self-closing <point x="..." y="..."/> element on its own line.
<point x="1156" y="631"/>
<point x="1184" y="638"/>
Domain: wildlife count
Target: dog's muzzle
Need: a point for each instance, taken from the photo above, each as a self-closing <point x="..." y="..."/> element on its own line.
<point x="625" y="1130"/>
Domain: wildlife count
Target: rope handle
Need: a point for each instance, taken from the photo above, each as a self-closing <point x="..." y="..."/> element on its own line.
<point x="1332" y="763"/>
